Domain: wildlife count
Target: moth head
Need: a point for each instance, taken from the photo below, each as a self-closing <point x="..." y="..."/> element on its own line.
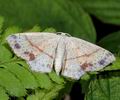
<point x="63" y="34"/>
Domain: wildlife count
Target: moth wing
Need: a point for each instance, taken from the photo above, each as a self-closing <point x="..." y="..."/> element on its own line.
<point x="38" y="49"/>
<point x="82" y="56"/>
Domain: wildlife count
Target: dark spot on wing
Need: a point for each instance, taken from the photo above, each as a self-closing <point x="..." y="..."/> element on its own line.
<point x="85" y="65"/>
<point x="26" y="52"/>
<point x="101" y="62"/>
<point x="31" y="56"/>
<point x="17" y="46"/>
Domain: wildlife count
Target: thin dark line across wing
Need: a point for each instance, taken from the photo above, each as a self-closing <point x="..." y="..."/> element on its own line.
<point x="85" y="55"/>
<point x="39" y="49"/>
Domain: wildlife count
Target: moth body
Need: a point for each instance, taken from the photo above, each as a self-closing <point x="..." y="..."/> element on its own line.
<point x="59" y="56"/>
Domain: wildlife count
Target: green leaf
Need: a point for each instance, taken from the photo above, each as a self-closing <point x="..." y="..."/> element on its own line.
<point x="56" y="78"/>
<point x="53" y="93"/>
<point x="5" y="54"/>
<point x="62" y="15"/>
<point x="3" y="95"/>
<point x="20" y="98"/>
<point x="32" y="97"/>
<point x="36" y="28"/>
<point x="85" y="77"/>
<point x="74" y="21"/>
<point x="84" y="85"/>
<point x="104" y="89"/>
<point x="43" y="80"/>
<point x="111" y="42"/>
<point x="64" y="91"/>
<point x="85" y="81"/>
<point x="10" y="30"/>
<point x="26" y="77"/>
<point x="37" y="96"/>
<point x="1" y="23"/>
<point x="23" y="63"/>
<point x="0" y="36"/>
<point x="114" y="66"/>
<point x="46" y="95"/>
<point x="106" y="10"/>
<point x="11" y="83"/>
<point x="49" y="30"/>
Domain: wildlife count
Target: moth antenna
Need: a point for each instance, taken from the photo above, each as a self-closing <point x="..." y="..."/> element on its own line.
<point x="61" y="33"/>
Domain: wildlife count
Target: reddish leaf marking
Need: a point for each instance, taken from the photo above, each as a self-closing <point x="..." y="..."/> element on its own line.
<point x="39" y="49"/>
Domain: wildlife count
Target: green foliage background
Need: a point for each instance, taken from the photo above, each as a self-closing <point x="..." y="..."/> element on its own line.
<point x="19" y="82"/>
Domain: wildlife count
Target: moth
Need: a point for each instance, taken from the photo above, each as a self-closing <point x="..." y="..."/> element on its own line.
<point x="69" y="56"/>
